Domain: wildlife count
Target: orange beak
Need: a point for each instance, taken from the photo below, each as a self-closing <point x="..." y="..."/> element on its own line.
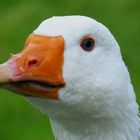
<point x="37" y="70"/>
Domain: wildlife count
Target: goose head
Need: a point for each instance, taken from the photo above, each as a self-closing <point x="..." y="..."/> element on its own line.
<point x="72" y="70"/>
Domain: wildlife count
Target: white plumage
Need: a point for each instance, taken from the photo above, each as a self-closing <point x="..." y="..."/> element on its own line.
<point x="98" y="101"/>
<point x="94" y="98"/>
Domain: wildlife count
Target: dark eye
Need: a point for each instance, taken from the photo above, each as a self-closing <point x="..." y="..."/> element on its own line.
<point x="87" y="43"/>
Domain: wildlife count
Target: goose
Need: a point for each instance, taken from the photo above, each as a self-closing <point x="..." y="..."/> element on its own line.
<point x="71" y="69"/>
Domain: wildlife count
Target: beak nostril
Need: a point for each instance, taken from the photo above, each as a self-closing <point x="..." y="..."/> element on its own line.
<point x="32" y="62"/>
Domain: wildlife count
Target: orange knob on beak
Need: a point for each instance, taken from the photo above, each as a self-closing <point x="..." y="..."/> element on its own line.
<point x="37" y="70"/>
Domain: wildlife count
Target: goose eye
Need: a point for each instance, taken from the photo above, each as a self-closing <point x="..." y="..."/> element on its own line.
<point x="87" y="43"/>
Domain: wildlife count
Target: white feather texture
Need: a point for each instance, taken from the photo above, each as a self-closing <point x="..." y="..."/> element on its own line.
<point x="98" y="101"/>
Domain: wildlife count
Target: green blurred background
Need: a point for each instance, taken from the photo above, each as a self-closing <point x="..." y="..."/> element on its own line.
<point x="18" y="119"/>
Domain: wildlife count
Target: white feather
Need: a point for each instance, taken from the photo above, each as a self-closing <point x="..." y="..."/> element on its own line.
<point x="98" y="101"/>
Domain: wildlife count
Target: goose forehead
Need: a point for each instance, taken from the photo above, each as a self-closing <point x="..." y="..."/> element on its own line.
<point x="66" y="25"/>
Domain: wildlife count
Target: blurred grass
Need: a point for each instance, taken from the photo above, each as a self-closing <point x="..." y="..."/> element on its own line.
<point x="18" y="120"/>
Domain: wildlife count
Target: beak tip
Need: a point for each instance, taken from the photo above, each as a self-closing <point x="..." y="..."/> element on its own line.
<point x="5" y="73"/>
